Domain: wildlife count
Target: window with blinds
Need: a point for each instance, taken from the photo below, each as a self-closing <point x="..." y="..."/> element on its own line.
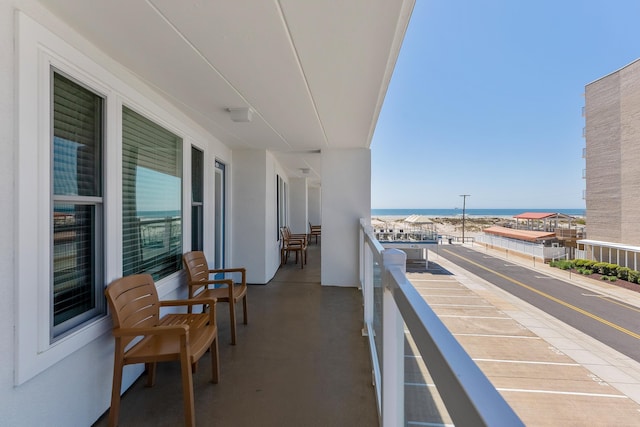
<point x="197" y="198"/>
<point x="151" y="197"/>
<point x="77" y="134"/>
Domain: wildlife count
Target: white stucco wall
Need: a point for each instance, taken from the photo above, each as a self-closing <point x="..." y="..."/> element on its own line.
<point x="315" y="206"/>
<point x="69" y="383"/>
<point x="255" y="234"/>
<point x="346" y="197"/>
<point x="298" y="206"/>
<point x="249" y="210"/>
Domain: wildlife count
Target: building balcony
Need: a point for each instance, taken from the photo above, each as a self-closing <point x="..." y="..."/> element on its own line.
<point x="301" y="360"/>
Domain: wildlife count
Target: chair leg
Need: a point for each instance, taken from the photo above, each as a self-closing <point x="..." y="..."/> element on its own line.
<point x="187" y="389"/>
<point x="151" y="374"/>
<point x="244" y="308"/>
<point x="114" y="411"/>
<point x="215" y="361"/>
<point x="232" y="315"/>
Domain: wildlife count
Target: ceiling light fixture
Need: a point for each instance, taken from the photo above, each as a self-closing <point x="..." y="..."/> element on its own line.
<point x="241" y="115"/>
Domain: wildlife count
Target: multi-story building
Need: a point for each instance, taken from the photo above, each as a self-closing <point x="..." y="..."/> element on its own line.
<point x="612" y="132"/>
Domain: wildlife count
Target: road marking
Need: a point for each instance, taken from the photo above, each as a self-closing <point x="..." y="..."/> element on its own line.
<point x="552" y="298"/>
<point x="524" y="390"/>
<point x="474" y="317"/>
<point x="451" y="296"/>
<point x="511" y="265"/>
<point x="526" y="362"/>
<point x="571" y="393"/>
<point x="498" y="336"/>
<point x="543" y="277"/>
<point x="461" y="305"/>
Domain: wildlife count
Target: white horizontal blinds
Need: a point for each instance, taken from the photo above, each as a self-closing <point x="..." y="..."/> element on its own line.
<point x="197" y="193"/>
<point x="152" y="194"/>
<point x="77" y="204"/>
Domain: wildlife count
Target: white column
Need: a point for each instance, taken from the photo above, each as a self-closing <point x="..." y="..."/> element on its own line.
<point x="392" y="346"/>
<point x="298" y="205"/>
<point x="346" y="197"/>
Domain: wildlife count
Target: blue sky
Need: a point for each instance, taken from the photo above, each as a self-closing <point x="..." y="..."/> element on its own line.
<point x="486" y="99"/>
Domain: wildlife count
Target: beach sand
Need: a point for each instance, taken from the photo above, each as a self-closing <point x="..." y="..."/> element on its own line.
<point x="451" y="226"/>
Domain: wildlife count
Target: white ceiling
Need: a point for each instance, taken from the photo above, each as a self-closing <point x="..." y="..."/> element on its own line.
<point x="314" y="72"/>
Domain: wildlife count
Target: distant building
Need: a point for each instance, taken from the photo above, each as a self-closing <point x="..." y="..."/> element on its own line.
<point x="612" y="132"/>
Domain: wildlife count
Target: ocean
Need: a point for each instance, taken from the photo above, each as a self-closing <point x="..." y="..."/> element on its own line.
<point x="469" y="212"/>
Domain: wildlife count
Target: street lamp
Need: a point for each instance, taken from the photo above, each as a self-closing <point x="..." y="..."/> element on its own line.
<point x="464" y="202"/>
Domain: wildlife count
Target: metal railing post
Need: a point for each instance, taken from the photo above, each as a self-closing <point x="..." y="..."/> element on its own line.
<point x="392" y="345"/>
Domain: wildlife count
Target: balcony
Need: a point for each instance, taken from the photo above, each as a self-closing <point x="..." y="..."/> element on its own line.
<point x="301" y="360"/>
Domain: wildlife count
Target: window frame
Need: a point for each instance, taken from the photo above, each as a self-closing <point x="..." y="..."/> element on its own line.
<point x="70" y="325"/>
<point x="158" y="127"/>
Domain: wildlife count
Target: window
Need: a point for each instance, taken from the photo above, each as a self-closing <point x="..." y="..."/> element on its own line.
<point x="77" y="133"/>
<point x="197" y="184"/>
<point x="151" y="197"/>
<point x="220" y="218"/>
<point x="281" y="204"/>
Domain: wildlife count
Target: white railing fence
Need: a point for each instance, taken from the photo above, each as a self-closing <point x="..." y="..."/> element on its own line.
<point x="527" y="248"/>
<point x="390" y="302"/>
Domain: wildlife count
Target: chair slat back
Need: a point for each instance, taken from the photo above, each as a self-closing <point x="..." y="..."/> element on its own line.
<point x="133" y="301"/>
<point x="195" y="263"/>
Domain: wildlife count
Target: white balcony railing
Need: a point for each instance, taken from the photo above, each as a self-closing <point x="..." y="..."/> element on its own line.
<point x="390" y="302"/>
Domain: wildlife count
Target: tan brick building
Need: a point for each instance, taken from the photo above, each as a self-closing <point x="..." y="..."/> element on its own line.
<point x="612" y="115"/>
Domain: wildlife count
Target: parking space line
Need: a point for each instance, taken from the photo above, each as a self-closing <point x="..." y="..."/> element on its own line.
<point x="451" y="296"/>
<point x="570" y="393"/>
<point x="461" y="305"/>
<point x="529" y="362"/>
<point x="474" y="317"/>
<point x="498" y="336"/>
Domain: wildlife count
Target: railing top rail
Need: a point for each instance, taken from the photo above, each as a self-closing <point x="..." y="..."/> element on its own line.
<point x="369" y="237"/>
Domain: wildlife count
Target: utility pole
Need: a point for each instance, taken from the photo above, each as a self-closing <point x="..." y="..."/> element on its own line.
<point x="464" y="202"/>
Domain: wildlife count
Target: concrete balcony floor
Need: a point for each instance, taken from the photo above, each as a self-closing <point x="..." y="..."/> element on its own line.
<point x="301" y="361"/>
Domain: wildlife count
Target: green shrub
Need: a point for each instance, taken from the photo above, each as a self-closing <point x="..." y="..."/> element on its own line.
<point x="612" y="278"/>
<point x="634" y="276"/>
<point x="580" y="262"/>
<point x="623" y="273"/>
<point x="585" y="271"/>
<point x="601" y="268"/>
<point x="563" y="265"/>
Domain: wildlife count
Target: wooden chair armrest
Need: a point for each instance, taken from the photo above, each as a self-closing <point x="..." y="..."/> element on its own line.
<point x="227" y="282"/>
<point x="187" y="302"/>
<point x="229" y="270"/>
<point x="232" y="270"/>
<point x="296" y="239"/>
<point x="154" y="330"/>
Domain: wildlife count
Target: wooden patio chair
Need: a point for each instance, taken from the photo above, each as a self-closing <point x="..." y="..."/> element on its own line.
<point x="293" y="243"/>
<point x="135" y="308"/>
<point x="201" y="285"/>
<point x="314" y="231"/>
